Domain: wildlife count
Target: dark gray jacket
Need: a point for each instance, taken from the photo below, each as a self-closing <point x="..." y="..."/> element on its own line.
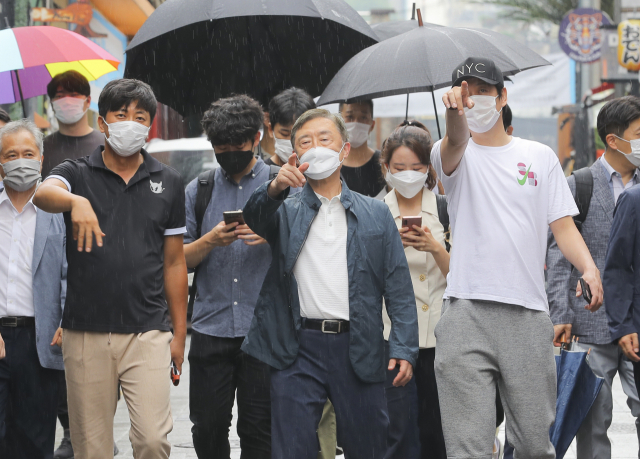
<point x="377" y="269"/>
<point x="564" y="307"/>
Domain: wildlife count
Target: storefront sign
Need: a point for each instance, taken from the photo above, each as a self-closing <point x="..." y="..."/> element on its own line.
<point x="629" y="44"/>
<point x="580" y="36"/>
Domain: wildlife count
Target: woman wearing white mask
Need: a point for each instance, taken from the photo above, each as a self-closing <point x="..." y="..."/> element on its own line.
<point x="284" y="110"/>
<point x="406" y="158"/>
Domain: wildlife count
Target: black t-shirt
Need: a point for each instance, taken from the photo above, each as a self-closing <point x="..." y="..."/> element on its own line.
<point x="366" y="179"/>
<point x="119" y="287"/>
<point x="269" y="162"/>
<point x="58" y="147"/>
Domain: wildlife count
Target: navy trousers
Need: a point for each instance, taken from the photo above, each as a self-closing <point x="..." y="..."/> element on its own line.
<point x="28" y="398"/>
<point x="323" y="370"/>
<point x="402" y="406"/>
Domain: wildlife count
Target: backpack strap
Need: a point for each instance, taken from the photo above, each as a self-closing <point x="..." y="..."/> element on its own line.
<point x="584" y="190"/>
<point x="203" y="198"/>
<point x="443" y="216"/>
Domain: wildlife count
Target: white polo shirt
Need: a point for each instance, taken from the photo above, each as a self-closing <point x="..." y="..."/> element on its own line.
<point x="321" y="269"/>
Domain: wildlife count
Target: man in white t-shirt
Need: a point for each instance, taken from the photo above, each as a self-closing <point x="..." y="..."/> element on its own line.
<point x="503" y="194"/>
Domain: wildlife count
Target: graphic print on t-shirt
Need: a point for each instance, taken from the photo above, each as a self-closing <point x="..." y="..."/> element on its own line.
<point x="527" y="173"/>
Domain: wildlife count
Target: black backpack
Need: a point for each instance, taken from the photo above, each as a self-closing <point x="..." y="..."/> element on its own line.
<point x="203" y="198"/>
<point x="443" y="216"/>
<point x="584" y="190"/>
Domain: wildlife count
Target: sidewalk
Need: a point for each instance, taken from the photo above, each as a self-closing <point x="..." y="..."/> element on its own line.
<point x="622" y="431"/>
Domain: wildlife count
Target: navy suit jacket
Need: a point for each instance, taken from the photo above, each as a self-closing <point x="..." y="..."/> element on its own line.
<point x="621" y="280"/>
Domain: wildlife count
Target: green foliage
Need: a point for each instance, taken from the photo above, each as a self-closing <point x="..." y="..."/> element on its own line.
<point x="542" y="10"/>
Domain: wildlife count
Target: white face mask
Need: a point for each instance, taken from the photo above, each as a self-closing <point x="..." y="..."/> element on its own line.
<point x="126" y="137"/>
<point x="358" y="133"/>
<point x="69" y="110"/>
<point x="322" y="162"/>
<point x="634" y="156"/>
<point x="483" y="115"/>
<point x="283" y="148"/>
<point x="407" y="183"/>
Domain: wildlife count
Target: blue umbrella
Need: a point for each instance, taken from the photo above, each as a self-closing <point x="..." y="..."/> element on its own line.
<point x="578" y="388"/>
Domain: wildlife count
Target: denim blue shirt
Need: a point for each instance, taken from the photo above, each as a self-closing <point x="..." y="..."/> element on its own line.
<point x="229" y="278"/>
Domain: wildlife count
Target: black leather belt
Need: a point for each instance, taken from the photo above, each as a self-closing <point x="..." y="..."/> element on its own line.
<point x="326" y="326"/>
<point x="17" y="321"/>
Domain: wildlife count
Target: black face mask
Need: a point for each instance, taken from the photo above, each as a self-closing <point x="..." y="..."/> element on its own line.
<point x="234" y="162"/>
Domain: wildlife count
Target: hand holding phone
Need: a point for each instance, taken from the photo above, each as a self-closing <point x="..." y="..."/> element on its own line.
<point x="409" y="222"/>
<point x="175" y="374"/>
<point x="586" y="291"/>
<point x="233" y="216"/>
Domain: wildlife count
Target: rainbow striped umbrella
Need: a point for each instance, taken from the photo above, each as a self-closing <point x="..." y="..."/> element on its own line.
<point x="31" y="56"/>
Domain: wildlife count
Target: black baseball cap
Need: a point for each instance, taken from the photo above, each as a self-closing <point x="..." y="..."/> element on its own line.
<point x="477" y="67"/>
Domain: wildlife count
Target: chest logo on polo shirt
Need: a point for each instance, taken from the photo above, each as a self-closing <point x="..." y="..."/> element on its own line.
<point x="156" y="187"/>
<point x="526" y="173"/>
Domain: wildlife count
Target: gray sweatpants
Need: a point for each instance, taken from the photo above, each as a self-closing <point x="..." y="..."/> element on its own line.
<point x="481" y="345"/>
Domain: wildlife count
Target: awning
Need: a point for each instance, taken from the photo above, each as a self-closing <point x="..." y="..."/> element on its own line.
<point x="126" y="15"/>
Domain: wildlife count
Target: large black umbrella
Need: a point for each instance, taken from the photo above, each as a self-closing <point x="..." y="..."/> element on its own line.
<point x="194" y="52"/>
<point x="422" y="60"/>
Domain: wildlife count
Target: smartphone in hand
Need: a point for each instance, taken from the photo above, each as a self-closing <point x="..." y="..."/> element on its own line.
<point x="408" y="222"/>
<point x="586" y="291"/>
<point x="175" y="374"/>
<point x="233" y="216"/>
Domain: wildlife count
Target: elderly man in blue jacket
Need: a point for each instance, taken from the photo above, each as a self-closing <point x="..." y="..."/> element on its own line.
<point x="621" y="280"/>
<point x="318" y="320"/>
<point x="33" y="283"/>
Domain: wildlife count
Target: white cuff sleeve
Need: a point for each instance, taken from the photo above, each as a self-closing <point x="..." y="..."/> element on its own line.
<point x="175" y="231"/>
<point x="62" y="179"/>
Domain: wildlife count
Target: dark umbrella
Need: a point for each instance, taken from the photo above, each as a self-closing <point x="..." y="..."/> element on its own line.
<point x="578" y="388"/>
<point x="192" y="53"/>
<point x="422" y="60"/>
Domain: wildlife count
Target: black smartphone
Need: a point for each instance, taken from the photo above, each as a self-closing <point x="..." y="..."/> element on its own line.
<point x="586" y="291"/>
<point x="233" y="216"/>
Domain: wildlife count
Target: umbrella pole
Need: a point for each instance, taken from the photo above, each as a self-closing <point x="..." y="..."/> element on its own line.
<point x="433" y="97"/>
<point x="24" y="110"/>
<point x="406" y="115"/>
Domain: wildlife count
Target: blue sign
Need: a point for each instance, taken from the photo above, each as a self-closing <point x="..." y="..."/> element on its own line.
<point x="580" y="36"/>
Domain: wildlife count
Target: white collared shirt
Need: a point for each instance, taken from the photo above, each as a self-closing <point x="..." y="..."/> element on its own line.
<point x="321" y="270"/>
<point x="17" y="233"/>
<point x="615" y="179"/>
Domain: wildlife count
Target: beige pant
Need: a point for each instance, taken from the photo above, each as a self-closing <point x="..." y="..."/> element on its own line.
<point x="94" y="363"/>
<point x="327" y="432"/>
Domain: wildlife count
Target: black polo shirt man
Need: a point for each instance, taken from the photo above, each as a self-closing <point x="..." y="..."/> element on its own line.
<point x="126" y="284"/>
<point x="121" y="291"/>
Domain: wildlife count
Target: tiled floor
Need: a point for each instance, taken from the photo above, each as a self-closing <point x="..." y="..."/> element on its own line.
<point x="622" y="431"/>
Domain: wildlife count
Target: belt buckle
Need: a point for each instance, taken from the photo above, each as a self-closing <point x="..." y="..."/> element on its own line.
<point x="9" y="321"/>
<point x="329" y="331"/>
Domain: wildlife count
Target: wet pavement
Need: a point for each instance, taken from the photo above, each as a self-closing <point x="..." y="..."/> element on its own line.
<point x="622" y="431"/>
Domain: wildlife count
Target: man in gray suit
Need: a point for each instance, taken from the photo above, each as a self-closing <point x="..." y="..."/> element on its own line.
<point x="618" y="126"/>
<point x="32" y="292"/>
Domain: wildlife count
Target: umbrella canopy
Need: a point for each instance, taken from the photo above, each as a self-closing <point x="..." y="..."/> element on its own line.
<point x="31" y="56"/>
<point x="192" y="56"/>
<point x="422" y="60"/>
<point x="578" y="388"/>
<point x="390" y="29"/>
